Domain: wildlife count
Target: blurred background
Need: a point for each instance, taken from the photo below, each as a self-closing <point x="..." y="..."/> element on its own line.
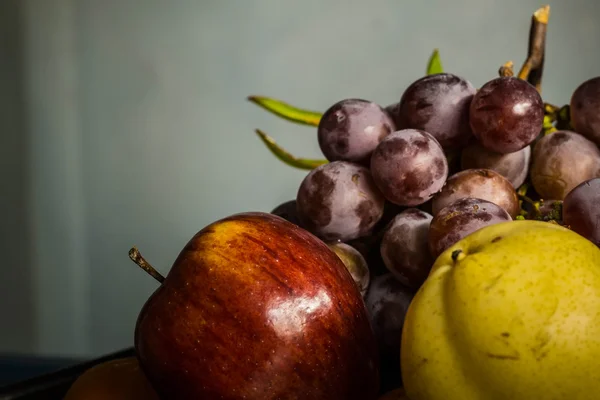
<point x="125" y="122"/>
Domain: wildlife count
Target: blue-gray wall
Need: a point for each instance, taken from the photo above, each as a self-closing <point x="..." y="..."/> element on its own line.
<point x="124" y="123"/>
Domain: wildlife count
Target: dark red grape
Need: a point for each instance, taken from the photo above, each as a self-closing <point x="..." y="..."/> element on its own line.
<point x="507" y="114"/>
<point x="409" y="166"/>
<point x="512" y="166"/>
<point x="561" y="161"/>
<point x="288" y="211"/>
<point x="387" y="302"/>
<point x="339" y="201"/>
<point x="585" y="109"/>
<point x="482" y="184"/>
<point x="461" y="218"/>
<point x="581" y="210"/>
<point x="355" y="263"/>
<point x="438" y="104"/>
<point x="405" y="247"/>
<point x="351" y="129"/>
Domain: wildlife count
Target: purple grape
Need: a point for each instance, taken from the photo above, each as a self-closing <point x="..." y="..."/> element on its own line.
<point x="355" y="263"/>
<point x="461" y="218"/>
<point x="339" y="201"/>
<point x="288" y="211"/>
<point x="351" y="129"/>
<point x="405" y="247"/>
<point x="585" y="109"/>
<point x="438" y="104"/>
<point x="561" y="161"/>
<point x="512" y="166"/>
<point x="482" y="184"/>
<point x="409" y="166"/>
<point x="581" y="210"/>
<point x="507" y="114"/>
<point x="387" y="302"/>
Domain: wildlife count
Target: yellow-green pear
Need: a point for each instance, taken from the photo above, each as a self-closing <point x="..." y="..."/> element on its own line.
<point x="510" y="312"/>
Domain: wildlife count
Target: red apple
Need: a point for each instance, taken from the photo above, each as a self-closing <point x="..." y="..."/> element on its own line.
<point x="255" y="307"/>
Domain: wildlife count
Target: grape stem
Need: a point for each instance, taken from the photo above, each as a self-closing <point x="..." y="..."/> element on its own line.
<point x="551" y="108"/>
<point x="507" y="69"/>
<point x="533" y="66"/>
<point x="136" y="257"/>
<point x="558" y="117"/>
<point x="534" y="204"/>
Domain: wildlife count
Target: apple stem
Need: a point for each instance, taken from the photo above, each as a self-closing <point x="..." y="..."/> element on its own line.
<point x="136" y="257"/>
<point x="533" y="66"/>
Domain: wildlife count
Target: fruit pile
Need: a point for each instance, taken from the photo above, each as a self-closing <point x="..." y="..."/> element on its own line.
<point x="445" y="248"/>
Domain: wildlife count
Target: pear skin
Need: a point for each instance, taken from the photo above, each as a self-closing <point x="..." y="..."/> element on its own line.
<point x="512" y="311"/>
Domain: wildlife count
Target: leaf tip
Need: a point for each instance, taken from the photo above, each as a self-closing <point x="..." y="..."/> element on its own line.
<point x="434" y="65"/>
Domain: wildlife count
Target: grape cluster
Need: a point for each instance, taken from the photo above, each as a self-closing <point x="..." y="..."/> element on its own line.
<point x="407" y="181"/>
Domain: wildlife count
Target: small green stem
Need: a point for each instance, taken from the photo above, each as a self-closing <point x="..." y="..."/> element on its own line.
<point x="521" y="193"/>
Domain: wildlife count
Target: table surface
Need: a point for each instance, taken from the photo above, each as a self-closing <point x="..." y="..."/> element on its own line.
<point x="15" y="368"/>
<point x="43" y="378"/>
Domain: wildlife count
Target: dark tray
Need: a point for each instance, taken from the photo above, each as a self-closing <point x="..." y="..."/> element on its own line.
<point x="54" y="386"/>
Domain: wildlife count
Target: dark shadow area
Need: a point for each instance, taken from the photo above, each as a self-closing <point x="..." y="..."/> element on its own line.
<point x="17" y="299"/>
<point x="54" y="376"/>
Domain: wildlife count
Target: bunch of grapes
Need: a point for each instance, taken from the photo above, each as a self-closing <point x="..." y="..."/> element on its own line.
<point x="400" y="184"/>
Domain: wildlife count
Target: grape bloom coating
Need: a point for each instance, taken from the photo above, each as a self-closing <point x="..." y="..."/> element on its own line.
<point x="438" y="104"/>
<point x="561" y="161"/>
<point x="409" y="166"/>
<point x="339" y="201"/>
<point x="512" y="166"/>
<point x="351" y="129"/>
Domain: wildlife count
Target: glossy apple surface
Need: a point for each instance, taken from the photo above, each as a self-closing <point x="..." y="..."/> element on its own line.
<point x="255" y="307"/>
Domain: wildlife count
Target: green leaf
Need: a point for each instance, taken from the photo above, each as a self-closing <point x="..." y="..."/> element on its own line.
<point x="287" y="111"/>
<point x="283" y="155"/>
<point x="435" y="63"/>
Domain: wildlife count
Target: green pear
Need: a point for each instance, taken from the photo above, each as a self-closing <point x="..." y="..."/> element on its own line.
<point x="511" y="311"/>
